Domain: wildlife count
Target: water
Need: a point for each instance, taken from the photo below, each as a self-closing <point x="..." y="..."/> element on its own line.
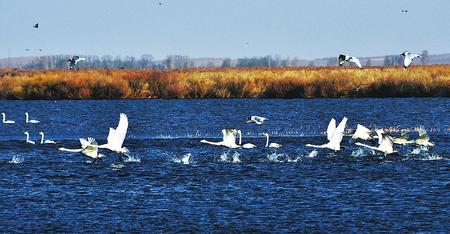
<point x="173" y="183"/>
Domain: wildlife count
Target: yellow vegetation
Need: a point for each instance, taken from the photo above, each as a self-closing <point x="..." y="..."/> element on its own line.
<point x="311" y="82"/>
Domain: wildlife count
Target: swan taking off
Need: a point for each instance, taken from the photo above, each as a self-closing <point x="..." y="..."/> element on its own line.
<point x="246" y="145"/>
<point x="229" y="139"/>
<point x="46" y="141"/>
<point x="424" y="139"/>
<point x="74" y="60"/>
<point x="402" y="140"/>
<point x="408" y="58"/>
<point x="31" y="121"/>
<point x="28" y="138"/>
<point x="256" y="119"/>
<point x="385" y="143"/>
<point x="271" y="145"/>
<point x="362" y="133"/>
<point x="6" y="121"/>
<point x="88" y="148"/>
<point x="334" y="135"/>
<point x="116" y="137"/>
<point x="349" y="59"/>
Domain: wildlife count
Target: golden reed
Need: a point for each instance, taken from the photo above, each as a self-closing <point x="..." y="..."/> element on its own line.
<point x="305" y="82"/>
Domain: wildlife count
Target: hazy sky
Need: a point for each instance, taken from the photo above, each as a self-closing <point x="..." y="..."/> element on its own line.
<point x="219" y="28"/>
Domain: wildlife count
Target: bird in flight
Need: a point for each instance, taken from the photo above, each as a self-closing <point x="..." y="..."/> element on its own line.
<point x="36" y="25"/>
<point x="74" y="60"/>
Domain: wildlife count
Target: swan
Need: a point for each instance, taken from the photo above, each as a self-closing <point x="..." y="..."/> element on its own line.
<point x="256" y="119"/>
<point x="350" y="59"/>
<point x="229" y="139"/>
<point x="402" y="140"/>
<point x="385" y="143"/>
<point x="28" y="138"/>
<point x="46" y="141"/>
<point x="409" y="57"/>
<point x="74" y="60"/>
<point x="7" y="121"/>
<point x="246" y="145"/>
<point x="362" y="133"/>
<point x="424" y="139"/>
<point x="334" y="135"/>
<point x="271" y="145"/>
<point x="116" y="137"/>
<point x="88" y="148"/>
<point x="31" y="121"/>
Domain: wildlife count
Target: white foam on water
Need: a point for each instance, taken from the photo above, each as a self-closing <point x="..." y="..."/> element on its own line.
<point x="416" y="151"/>
<point x="16" y="160"/>
<point x="358" y="153"/>
<point x="184" y="159"/>
<point x="117" y="165"/>
<point x="223" y="157"/>
<point x="132" y="159"/>
<point x="274" y="157"/>
<point x="236" y="158"/>
<point x="312" y="154"/>
<point x="432" y="157"/>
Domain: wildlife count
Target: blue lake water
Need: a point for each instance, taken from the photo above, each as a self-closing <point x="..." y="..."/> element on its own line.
<point x="291" y="189"/>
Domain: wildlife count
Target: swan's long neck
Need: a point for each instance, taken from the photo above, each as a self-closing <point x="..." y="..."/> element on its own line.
<point x="316" y="146"/>
<point x="380" y="137"/>
<point x="26" y="117"/>
<point x="42" y="138"/>
<point x="367" y="146"/>
<point x="4" y="117"/>
<point x="240" y="137"/>
<point x="267" y="140"/>
<point x="28" y="136"/>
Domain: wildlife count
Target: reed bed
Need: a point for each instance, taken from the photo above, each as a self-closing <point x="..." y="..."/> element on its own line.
<point x="309" y="82"/>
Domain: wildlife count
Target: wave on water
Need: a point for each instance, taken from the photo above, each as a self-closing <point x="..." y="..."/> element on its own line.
<point x="234" y="158"/>
<point x="312" y="154"/>
<point x="16" y="160"/>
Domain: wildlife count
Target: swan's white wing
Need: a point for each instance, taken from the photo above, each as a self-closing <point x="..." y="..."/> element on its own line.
<point x="338" y="134"/>
<point x="355" y="61"/>
<point x="407" y="60"/>
<point x="331" y="128"/>
<point x="386" y="145"/>
<point x="70" y="150"/>
<point x="230" y="137"/>
<point x="361" y="133"/>
<point x="120" y="132"/>
<point x="111" y="135"/>
<point x="84" y="143"/>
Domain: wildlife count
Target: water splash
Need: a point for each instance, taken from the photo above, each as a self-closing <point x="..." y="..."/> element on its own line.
<point x="184" y="159"/>
<point x="16" y="160"/>
<point x="275" y="157"/>
<point x="236" y="158"/>
<point x="358" y="153"/>
<point x="312" y="154"/>
<point x="133" y="159"/>
<point x="223" y="157"/>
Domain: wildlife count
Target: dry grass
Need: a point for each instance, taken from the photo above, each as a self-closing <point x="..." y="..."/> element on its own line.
<point x="330" y="82"/>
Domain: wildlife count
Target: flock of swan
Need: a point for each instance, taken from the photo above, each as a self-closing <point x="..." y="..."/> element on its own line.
<point x="407" y="59"/>
<point x="116" y="137"/>
<point x="335" y="134"/>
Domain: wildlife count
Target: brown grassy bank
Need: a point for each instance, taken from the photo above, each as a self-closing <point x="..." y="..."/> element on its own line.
<point x="418" y="81"/>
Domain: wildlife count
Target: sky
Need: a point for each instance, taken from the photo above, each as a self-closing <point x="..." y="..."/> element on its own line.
<point x="223" y="28"/>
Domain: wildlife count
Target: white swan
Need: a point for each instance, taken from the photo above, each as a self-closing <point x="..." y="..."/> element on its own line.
<point x="334" y="135"/>
<point x="350" y="59"/>
<point x="88" y="148"/>
<point x="7" y="121"/>
<point x="408" y="58"/>
<point x="402" y="140"/>
<point x="116" y="137"/>
<point x="74" y="60"/>
<point x="256" y="119"/>
<point x="28" y="138"/>
<point x="424" y="139"/>
<point x="31" y="121"/>
<point x="385" y="144"/>
<point x="46" y="141"/>
<point x="246" y="145"/>
<point x="271" y="145"/>
<point x="229" y="139"/>
<point x="362" y="133"/>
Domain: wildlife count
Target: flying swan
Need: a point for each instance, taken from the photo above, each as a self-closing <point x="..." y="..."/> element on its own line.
<point x="385" y="143"/>
<point x="334" y="135"/>
<point x="256" y="119"/>
<point x="408" y="58"/>
<point x="349" y="59"/>
<point x="229" y="139"/>
<point x="246" y="145"/>
<point x="88" y="148"/>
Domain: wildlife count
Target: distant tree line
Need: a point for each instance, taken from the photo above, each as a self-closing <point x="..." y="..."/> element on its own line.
<point x="181" y="62"/>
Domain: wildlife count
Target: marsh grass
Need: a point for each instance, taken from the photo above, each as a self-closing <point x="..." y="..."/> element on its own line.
<point x="309" y="82"/>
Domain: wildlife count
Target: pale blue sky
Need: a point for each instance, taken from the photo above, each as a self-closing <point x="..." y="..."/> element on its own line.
<point x="215" y="28"/>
